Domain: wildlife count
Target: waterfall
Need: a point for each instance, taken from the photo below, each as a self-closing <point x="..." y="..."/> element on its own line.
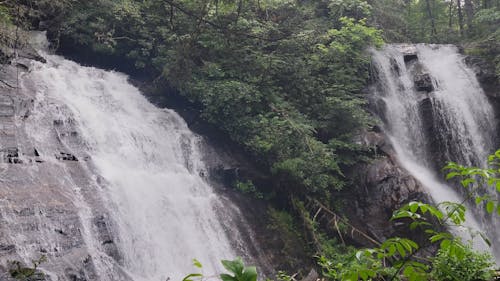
<point x="129" y="174"/>
<point x="434" y="111"/>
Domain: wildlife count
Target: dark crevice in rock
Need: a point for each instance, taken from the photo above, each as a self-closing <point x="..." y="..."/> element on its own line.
<point x="410" y="57"/>
<point x="64" y="156"/>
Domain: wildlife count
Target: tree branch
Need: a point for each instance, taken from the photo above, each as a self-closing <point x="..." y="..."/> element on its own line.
<point x="221" y="28"/>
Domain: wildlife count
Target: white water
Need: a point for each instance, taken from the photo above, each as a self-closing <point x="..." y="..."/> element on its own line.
<point x="462" y="118"/>
<point x="149" y="167"/>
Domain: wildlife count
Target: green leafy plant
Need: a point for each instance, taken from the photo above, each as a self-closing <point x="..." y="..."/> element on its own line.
<point x="249" y="188"/>
<point x="455" y="259"/>
<point x="462" y="264"/>
<point x="20" y="272"/>
<point x="237" y="271"/>
<point x="476" y="178"/>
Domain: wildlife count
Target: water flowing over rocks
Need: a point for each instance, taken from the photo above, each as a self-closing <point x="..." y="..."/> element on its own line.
<point x="485" y="73"/>
<point x="101" y="182"/>
<point x="44" y="200"/>
<point x="433" y="111"/>
<point x="490" y="82"/>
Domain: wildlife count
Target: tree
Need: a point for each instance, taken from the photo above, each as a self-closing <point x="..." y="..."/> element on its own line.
<point x="469" y="12"/>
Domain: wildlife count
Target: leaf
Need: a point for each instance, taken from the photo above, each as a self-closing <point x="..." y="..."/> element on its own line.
<point x="391" y="251"/>
<point x="413" y="206"/>
<point x="401" y="250"/>
<point x="197" y="263"/>
<point x="497" y="153"/>
<point x="414" y="225"/>
<point x="440" y="236"/>
<point x="485" y="239"/>
<point x="408" y="271"/>
<point x="188" y="277"/>
<point x="490" y="206"/>
<point x="465" y="183"/>
<point x="363" y="274"/>
<point x="249" y="274"/>
<point x="451" y="175"/>
<point x="227" y="277"/>
<point x="359" y="254"/>
<point x="235" y="266"/>
<point x="479" y="200"/>
<point x="445" y="244"/>
<point x="352" y="276"/>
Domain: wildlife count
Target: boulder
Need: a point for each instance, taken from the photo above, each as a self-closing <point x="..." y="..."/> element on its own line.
<point x="423" y="82"/>
<point x="30" y="53"/>
<point x="376" y="140"/>
<point x="382" y="186"/>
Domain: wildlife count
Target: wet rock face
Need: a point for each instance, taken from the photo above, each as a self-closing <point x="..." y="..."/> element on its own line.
<point x="485" y="73"/>
<point x="51" y="204"/>
<point x="25" y="51"/>
<point x="423" y="82"/>
<point x="382" y="186"/>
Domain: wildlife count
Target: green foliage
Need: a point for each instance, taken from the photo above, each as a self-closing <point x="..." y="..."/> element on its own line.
<point x="476" y="178"/>
<point x="4" y="14"/>
<point x="436" y="21"/>
<point x="462" y="265"/>
<point x="288" y="237"/>
<point x="356" y="9"/>
<point x="450" y="264"/>
<point x="249" y="188"/>
<point x="487" y="17"/>
<point x="23" y="273"/>
<point x="239" y="271"/>
<point x="454" y="261"/>
<point x="399" y="258"/>
<point x="236" y="268"/>
<point x="350" y="268"/>
<point x="281" y="78"/>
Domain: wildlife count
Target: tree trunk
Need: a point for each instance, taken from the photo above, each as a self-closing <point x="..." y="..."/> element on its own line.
<point x="431" y="16"/>
<point x="240" y="5"/>
<point x="469" y="12"/>
<point x="460" y="17"/>
<point x="450" y="16"/>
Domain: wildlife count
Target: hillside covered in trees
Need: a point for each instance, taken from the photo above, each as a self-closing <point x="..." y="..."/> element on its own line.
<point x="285" y="81"/>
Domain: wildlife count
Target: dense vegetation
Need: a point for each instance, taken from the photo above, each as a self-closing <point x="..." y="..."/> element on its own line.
<point x="283" y="79"/>
<point x="399" y="258"/>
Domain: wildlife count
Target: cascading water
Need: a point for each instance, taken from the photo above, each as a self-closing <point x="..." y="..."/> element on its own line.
<point x="142" y="166"/>
<point x="434" y="111"/>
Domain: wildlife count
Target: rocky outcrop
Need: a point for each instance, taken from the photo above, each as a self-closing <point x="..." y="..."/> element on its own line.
<point x="382" y="186"/>
<point x="485" y="73"/>
<point x="490" y="82"/>
<point x="423" y="82"/>
<point x="51" y="204"/>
